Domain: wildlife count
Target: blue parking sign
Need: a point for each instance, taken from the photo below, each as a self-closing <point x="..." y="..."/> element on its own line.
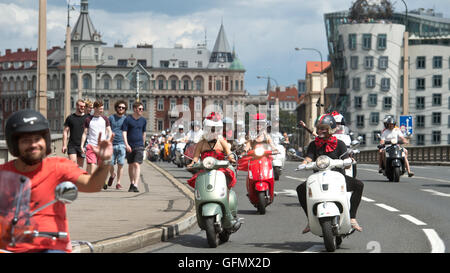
<point x="406" y="125"/>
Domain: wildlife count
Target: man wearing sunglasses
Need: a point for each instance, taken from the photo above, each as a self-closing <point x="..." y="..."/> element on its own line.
<point x="133" y="130"/>
<point x="74" y="126"/>
<point x="119" y="150"/>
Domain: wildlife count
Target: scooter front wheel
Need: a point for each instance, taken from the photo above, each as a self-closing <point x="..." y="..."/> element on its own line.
<point x="261" y="202"/>
<point x="211" y="235"/>
<point x="327" y="232"/>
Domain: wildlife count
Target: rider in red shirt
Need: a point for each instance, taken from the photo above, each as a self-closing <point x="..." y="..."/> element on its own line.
<point x="28" y="139"/>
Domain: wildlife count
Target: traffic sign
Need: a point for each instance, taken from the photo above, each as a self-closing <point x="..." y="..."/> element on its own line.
<point x="406" y="125"/>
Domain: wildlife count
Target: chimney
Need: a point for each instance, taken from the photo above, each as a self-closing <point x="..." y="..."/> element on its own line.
<point x="8" y="51"/>
<point x="19" y="50"/>
<point x="27" y="50"/>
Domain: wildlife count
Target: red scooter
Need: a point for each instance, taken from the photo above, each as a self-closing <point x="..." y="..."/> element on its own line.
<point x="260" y="179"/>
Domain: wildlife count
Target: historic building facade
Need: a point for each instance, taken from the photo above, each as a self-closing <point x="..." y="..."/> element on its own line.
<point x="186" y="80"/>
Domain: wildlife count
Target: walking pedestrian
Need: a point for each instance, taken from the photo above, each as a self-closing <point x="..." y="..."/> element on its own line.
<point x="74" y="126"/>
<point x="116" y="120"/>
<point x="93" y="127"/>
<point x="133" y="129"/>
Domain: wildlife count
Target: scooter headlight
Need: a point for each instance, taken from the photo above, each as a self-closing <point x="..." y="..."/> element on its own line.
<point x="323" y="162"/>
<point x="259" y="151"/>
<point x="394" y="141"/>
<point x="209" y="162"/>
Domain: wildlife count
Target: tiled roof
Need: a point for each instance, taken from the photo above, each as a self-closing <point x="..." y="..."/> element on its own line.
<point x="289" y="94"/>
<point x="312" y="67"/>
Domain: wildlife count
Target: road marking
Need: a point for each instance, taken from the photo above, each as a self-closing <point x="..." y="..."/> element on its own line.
<point x="436" y="192"/>
<point x="367" y="199"/>
<point x="437" y="245"/>
<point x="290" y="193"/>
<point x="413" y="220"/>
<point x="386" y="207"/>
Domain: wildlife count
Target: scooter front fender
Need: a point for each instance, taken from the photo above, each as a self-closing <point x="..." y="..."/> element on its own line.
<point x="212" y="209"/>
<point x="396" y="163"/>
<point x="327" y="209"/>
<point x="261" y="186"/>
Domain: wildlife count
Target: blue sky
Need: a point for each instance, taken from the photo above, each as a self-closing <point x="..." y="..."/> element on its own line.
<point x="264" y="32"/>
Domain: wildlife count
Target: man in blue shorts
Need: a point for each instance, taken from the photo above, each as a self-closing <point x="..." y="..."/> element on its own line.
<point x="133" y="129"/>
<point x="119" y="149"/>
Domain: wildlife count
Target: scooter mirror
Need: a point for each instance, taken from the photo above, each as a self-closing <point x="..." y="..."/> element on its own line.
<point x="355" y="143"/>
<point x="66" y="192"/>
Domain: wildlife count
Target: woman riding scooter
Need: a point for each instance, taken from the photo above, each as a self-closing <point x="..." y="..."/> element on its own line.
<point x="213" y="144"/>
<point x="260" y="136"/>
<point x="327" y="144"/>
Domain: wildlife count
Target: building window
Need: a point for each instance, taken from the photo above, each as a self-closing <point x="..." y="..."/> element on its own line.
<point x="420" y="84"/>
<point x="437" y="100"/>
<point x="437" y="81"/>
<point x="387" y="103"/>
<point x="358" y="102"/>
<point x="198" y="85"/>
<point x="381" y="41"/>
<point x="164" y="64"/>
<point x="373" y="99"/>
<point x="359" y="121"/>
<point x="368" y="62"/>
<point x="354" y="62"/>
<point x="436" y="118"/>
<point x="367" y="41"/>
<point x="160" y="84"/>
<point x="420" y="103"/>
<point x="420" y="139"/>
<point x="370" y="81"/>
<point x="122" y="63"/>
<point x="374" y="118"/>
<point x="160" y="125"/>
<point x="106" y="84"/>
<point x="421" y="62"/>
<point x="183" y="64"/>
<point x="143" y="63"/>
<point x="218" y="85"/>
<point x="356" y="84"/>
<point x="375" y="138"/>
<point x="436" y="137"/>
<point x="383" y="62"/>
<point x="420" y="121"/>
<point x="106" y="104"/>
<point x="352" y="41"/>
<point x="385" y="84"/>
<point x="186" y="85"/>
<point x="173" y="103"/>
<point x="96" y="54"/>
<point x="437" y="62"/>
<point x="160" y="106"/>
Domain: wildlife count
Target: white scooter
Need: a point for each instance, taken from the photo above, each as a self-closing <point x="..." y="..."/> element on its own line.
<point x="328" y="201"/>
<point x="278" y="161"/>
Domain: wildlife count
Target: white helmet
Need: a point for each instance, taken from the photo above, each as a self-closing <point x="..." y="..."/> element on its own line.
<point x="212" y="126"/>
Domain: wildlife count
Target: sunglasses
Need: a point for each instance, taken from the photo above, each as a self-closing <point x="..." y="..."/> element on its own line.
<point x="141" y="109"/>
<point x="120" y="107"/>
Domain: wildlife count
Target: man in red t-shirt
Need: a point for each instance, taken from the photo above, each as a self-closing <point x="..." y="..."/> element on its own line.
<point x="28" y="139"/>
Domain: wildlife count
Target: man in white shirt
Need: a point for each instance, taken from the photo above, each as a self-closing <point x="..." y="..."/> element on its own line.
<point x="391" y="132"/>
<point x="195" y="134"/>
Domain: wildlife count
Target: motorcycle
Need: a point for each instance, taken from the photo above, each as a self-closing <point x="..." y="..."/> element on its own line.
<point x="153" y="153"/>
<point x="179" y="154"/>
<point x="328" y="201"/>
<point x="260" y="179"/>
<point x="278" y="161"/>
<point x="216" y="206"/>
<point x="394" y="160"/>
<point x="16" y="218"/>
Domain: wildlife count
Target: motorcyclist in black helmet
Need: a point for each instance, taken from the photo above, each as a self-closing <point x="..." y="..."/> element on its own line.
<point x="327" y="144"/>
<point x="28" y="139"/>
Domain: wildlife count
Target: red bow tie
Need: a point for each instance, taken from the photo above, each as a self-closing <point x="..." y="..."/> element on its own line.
<point x="331" y="143"/>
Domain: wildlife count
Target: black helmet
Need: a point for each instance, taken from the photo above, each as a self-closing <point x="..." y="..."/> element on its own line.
<point x="329" y="120"/>
<point x="390" y="120"/>
<point x="26" y="121"/>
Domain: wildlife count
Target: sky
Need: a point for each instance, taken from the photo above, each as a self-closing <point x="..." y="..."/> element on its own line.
<point x="263" y="32"/>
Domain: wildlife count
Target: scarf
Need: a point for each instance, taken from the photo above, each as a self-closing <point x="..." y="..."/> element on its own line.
<point x="331" y="143"/>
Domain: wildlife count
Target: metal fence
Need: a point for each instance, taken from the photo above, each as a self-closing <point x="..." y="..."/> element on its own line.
<point x="432" y="155"/>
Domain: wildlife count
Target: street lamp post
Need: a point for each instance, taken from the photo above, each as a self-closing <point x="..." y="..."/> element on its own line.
<point x="405" y="65"/>
<point x="42" y="59"/>
<point x="322" y="91"/>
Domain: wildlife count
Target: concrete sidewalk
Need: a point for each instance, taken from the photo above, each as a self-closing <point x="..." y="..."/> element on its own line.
<point x="117" y="221"/>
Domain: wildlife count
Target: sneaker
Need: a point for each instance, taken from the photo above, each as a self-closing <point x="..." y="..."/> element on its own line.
<point x="410" y="174"/>
<point x="119" y="187"/>
<point x="133" y="188"/>
<point x="110" y="181"/>
<point x="105" y="187"/>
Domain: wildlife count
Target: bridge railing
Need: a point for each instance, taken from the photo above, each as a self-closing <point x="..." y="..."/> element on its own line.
<point x="429" y="155"/>
<point x="5" y="156"/>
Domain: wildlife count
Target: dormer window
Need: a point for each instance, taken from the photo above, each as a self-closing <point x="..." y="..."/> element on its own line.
<point x="6" y="65"/>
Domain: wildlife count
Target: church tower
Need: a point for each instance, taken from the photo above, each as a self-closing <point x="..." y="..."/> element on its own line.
<point x="221" y="56"/>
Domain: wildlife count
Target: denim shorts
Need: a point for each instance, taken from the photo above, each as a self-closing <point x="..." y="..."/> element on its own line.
<point x="119" y="152"/>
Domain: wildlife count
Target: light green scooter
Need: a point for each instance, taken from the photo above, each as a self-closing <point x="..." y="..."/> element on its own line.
<point x="216" y="206"/>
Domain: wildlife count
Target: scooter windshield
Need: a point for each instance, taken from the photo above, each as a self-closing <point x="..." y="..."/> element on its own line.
<point x="15" y="191"/>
